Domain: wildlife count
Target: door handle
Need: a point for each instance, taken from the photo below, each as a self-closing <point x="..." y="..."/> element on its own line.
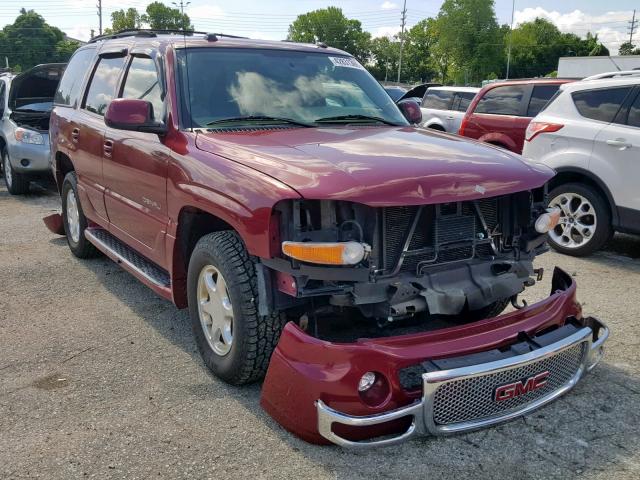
<point x="449" y="118"/>
<point x="619" y="143"/>
<point x="108" y="148"/>
<point x="75" y="135"/>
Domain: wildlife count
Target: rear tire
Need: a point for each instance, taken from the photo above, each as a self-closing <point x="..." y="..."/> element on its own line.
<point x="17" y="183"/>
<point x="235" y="342"/>
<point x="73" y="219"/>
<point x="585" y="222"/>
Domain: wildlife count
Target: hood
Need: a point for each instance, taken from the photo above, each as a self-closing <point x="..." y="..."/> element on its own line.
<point x="379" y="166"/>
<point x="35" y="88"/>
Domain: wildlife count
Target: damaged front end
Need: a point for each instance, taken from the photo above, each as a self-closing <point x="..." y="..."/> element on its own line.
<point x="396" y="326"/>
<point x="444" y="381"/>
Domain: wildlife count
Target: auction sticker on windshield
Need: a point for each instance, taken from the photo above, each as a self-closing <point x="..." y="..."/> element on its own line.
<point x="346" y="62"/>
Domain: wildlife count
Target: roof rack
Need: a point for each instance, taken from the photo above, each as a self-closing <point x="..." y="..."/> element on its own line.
<point x="146" y="32"/>
<point x="622" y="73"/>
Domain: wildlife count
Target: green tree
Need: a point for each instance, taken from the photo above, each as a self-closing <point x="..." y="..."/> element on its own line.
<point x="160" y="17"/>
<point x="417" y="63"/>
<point x="628" y="48"/>
<point x="124" y="20"/>
<point x="470" y="36"/>
<point x="330" y="26"/>
<point x="535" y="48"/>
<point x="594" y="46"/>
<point x="385" y="53"/>
<point x="29" y="40"/>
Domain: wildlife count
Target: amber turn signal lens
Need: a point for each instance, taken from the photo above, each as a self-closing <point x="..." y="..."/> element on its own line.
<point x="334" y="253"/>
<point x="548" y="220"/>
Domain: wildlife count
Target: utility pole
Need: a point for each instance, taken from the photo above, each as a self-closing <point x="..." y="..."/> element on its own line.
<point x="513" y="9"/>
<point x="404" y="22"/>
<point x="99" y="7"/>
<point x="632" y="27"/>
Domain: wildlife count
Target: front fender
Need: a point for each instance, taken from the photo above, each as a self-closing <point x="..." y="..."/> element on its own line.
<point x="499" y="139"/>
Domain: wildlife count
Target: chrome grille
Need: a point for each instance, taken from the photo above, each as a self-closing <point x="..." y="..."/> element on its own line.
<point x="472" y="399"/>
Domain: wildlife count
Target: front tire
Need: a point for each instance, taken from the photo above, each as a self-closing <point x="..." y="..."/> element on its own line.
<point x="235" y="342"/>
<point x="585" y="221"/>
<point x="17" y="183"/>
<point x="73" y="219"/>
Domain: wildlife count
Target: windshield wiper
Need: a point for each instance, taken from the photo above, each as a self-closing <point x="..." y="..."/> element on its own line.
<point x="354" y="118"/>
<point x="258" y="118"/>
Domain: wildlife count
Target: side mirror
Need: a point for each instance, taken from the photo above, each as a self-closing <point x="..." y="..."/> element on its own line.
<point x="411" y="111"/>
<point x="132" y="114"/>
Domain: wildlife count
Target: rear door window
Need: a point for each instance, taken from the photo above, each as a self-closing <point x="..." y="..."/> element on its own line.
<point x="506" y="100"/>
<point x="540" y="97"/>
<point x="142" y="82"/>
<point x="601" y="104"/>
<point x="438" y="99"/>
<point x="462" y="101"/>
<point x="634" y="114"/>
<point x="70" y="85"/>
<point x="103" y="84"/>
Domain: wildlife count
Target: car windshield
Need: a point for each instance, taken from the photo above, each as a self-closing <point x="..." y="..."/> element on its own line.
<point x="275" y="86"/>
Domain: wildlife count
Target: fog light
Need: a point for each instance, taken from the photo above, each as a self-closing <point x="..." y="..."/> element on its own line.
<point x="548" y="220"/>
<point x="366" y="382"/>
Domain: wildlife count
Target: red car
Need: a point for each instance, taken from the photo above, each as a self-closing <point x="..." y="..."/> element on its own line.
<point x="500" y="113"/>
<point x="276" y="191"/>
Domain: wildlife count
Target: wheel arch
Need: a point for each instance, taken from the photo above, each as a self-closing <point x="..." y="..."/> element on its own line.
<point x="580" y="175"/>
<point x="193" y="224"/>
<point x="63" y="165"/>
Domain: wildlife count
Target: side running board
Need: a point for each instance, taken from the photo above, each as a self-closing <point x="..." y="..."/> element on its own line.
<point x="128" y="258"/>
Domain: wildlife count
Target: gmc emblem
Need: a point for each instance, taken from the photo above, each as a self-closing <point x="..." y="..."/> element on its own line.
<point x="516" y="389"/>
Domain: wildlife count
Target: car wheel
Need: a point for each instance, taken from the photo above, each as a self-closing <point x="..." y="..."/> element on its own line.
<point x="585" y="220"/>
<point x="17" y="183"/>
<point x="236" y="342"/>
<point x="73" y="219"/>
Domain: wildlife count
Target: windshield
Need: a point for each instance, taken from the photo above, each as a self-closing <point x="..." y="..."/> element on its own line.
<point x="299" y="86"/>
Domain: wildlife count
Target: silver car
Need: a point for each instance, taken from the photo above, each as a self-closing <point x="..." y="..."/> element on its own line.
<point x="26" y="101"/>
<point x="443" y="108"/>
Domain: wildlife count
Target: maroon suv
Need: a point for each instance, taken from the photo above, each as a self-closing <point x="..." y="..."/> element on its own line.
<point x="500" y="113"/>
<point x="276" y="191"/>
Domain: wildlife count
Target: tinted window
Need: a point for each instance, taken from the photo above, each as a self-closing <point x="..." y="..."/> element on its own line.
<point x="142" y="83"/>
<point x="462" y="101"/>
<point x="2" y="96"/>
<point x="69" y="87"/>
<point x="634" y="113"/>
<point x="505" y="100"/>
<point x="539" y="98"/>
<point x="103" y="85"/>
<point x="438" y="99"/>
<point x="602" y="104"/>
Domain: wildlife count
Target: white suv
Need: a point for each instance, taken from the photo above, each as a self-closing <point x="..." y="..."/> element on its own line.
<point x="590" y="134"/>
<point x="443" y="108"/>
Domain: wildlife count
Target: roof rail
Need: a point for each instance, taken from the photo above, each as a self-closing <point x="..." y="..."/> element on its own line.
<point x="623" y="73"/>
<point x="144" y="32"/>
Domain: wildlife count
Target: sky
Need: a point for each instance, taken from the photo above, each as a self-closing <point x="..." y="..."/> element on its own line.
<point x="269" y="19"/>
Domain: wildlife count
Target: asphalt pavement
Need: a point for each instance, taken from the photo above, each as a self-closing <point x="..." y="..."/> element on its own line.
<point x="100" y="378"/>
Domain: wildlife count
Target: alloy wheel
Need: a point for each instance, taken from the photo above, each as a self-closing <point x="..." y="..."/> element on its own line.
<point x="215" y="310"/>
<point x="7" y="171"/>
<point x="73" y="216"/>
<point x="578" y="220"/>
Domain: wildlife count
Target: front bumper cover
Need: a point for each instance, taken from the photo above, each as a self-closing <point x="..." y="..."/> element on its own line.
<point x="311" y="384"/>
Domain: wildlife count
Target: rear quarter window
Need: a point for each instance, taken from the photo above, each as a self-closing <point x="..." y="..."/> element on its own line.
<point x="540" y="96"/>
<point x="68" y="92"/>
<point x="601" y="104"/>
<point x="506" y="100"/>
<point x="438" y="99"/>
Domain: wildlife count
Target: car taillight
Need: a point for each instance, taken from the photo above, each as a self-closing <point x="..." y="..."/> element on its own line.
<point x="536" y="128"/>
<point x="463" y="125"/>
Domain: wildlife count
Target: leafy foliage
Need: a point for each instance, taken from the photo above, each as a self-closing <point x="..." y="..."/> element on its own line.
<point x="29" y="41"/>
<point x="161" y="17"/>
<point x="330" y="26"/>
<point x="628" y="48"/>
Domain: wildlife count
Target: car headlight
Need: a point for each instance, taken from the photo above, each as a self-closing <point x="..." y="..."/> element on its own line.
<point x="24" y="135"/>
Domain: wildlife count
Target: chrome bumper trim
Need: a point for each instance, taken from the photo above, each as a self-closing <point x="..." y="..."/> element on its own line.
<point x="422" y="411"/>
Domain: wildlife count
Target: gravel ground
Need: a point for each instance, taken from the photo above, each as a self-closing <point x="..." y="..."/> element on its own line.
<point x="100" y="378"/>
